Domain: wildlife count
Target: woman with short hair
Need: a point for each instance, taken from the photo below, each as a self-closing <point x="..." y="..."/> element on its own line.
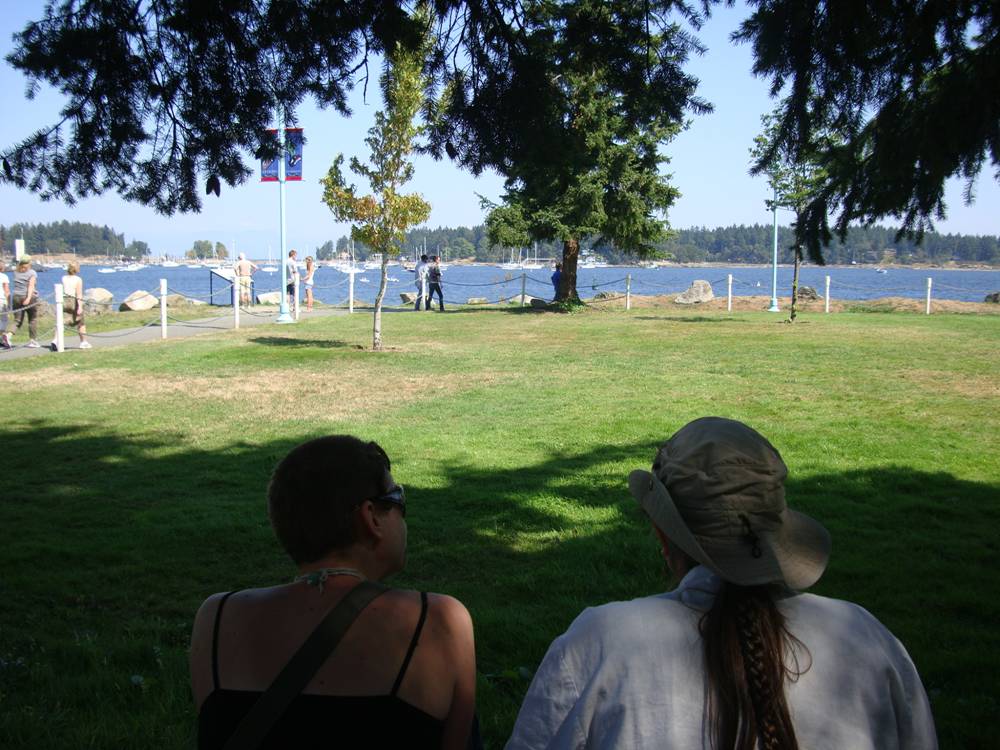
<point x="735" y="656"/>
<point x="25" y="300"/>
<point x="402" y="674"/>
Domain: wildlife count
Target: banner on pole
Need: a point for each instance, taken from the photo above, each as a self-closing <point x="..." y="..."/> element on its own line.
<point x="293" y="158"/>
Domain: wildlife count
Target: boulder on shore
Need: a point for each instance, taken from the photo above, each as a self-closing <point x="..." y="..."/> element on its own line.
<point x="528" y="299"/>
<point x="139" y="300"/>
<point x="807" y="293"/>
<point x="97" y="300"/>
<point x="539" y="304"/>
<point x="477" y="301"/>
<point x="179" y="300"/>
<point x="607" y="295"/>
<point x="269" y="298"/>
<point x="408" y="298"/>
<point x="699" y="291"/>
<point x="993" y="298"/>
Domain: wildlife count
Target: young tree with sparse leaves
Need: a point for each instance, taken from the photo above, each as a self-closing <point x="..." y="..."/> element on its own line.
<point x="795" y="177"/>
<point x="380" y="219"/>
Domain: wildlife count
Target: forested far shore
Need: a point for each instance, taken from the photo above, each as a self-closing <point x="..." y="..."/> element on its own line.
<point x="734" y="244"/>
<point x="71" y="237"/>
<point x="737" y="243"/>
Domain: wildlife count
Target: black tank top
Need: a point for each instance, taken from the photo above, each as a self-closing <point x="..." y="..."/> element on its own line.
<point x="323" y="721"/>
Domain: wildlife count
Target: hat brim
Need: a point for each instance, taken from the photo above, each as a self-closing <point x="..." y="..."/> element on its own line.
<point x="653" y="498"/>
<point x="795" y="555"/>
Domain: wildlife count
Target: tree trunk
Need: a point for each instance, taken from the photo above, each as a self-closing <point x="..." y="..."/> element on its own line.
<point x="377" y="323"/>
<point x="567" y="282"/>
<point x="795" y="281"/>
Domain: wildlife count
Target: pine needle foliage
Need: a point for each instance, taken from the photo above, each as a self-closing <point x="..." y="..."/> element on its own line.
<point x="909" y="86"/>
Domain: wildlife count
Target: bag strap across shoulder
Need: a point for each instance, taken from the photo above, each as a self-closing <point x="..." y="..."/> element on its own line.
<point x="302" y="666"/>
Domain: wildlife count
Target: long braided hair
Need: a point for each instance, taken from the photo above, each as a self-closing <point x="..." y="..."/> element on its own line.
<point x="745" y="643"/>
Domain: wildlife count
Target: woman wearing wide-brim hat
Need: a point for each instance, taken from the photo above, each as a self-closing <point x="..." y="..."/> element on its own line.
<point x="736" y="656"/>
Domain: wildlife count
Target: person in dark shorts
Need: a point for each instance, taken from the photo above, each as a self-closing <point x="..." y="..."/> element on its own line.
<point x="434" y="282"/>
<point x="25" y="300"/>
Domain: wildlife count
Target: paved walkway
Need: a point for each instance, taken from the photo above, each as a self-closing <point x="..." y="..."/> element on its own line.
<point x="124" y="336"/>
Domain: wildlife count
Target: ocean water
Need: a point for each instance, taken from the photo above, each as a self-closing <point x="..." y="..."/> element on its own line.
<point x="461" y="282"/>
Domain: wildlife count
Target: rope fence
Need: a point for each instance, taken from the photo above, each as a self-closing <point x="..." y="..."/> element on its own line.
<point x="393" y="285"/>
<point x="126" y="332"/>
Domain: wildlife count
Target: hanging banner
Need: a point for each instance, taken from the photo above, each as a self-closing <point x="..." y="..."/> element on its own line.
<point x="293" y="158"/>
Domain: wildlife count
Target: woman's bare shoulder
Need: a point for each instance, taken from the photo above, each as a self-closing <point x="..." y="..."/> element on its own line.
<point x="450" y="609"/>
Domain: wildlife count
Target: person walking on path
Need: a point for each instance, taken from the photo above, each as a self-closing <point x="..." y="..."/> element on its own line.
<point x="421" y="270"/>
<point x="735" y="657"/>
<point x="292" y="279"/>
<point x="25" y="300"/>
<point x="307" y="280"/>
<point x="556" y="279"/>
<point x="434" y="283"/>
<point x="72" y="302"/>
<point x="4" y="306"/>
<point x="245" y="270"/>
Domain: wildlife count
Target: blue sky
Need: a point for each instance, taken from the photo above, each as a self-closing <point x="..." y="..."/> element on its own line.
<point x="708" y="162"/>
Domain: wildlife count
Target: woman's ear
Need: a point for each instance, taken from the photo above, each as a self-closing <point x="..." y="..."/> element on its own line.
<point x="371" y="522"/>
<point x="664" y="542"/>
<point x="678" y="563"/>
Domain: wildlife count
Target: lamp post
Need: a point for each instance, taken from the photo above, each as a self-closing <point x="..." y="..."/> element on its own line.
<point x="283" y="316"/>
<point x="774" y="256"/>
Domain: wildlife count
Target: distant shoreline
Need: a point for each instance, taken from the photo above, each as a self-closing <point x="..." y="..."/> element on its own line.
<point x="92" y="261"/>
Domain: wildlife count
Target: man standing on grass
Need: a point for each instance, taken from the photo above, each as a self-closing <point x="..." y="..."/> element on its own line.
<point x="421" y="271"/>
<point x="245" y="270"/>
<point x="434" y="279"/>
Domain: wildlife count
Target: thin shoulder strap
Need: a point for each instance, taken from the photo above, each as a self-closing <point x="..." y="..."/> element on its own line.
<point x="413" y="644"/>
<point x="215" y="639"/>
<point x="302" y="666"/>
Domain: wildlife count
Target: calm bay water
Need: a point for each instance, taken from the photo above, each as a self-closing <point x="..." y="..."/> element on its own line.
<point x="492" y="282"/>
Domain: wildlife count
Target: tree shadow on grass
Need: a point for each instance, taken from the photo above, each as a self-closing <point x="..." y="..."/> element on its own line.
<point x="690" y="319"/>
<point x="115" y="541"/>
<point x="301" y="343"/>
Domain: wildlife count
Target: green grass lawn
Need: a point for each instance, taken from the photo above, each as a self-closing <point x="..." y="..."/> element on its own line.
<point x="135" y="479"/>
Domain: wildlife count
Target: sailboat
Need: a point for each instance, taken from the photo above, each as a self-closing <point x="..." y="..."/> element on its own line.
<point x="512" y="264"/>
<point x="531" y="265"/>
<point x="270" y="267"/>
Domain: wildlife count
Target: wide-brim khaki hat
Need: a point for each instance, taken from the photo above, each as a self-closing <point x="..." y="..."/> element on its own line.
<point x="717" y="491"/>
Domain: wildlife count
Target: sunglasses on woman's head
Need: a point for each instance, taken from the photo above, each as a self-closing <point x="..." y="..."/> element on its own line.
<point x="396" y="496"/>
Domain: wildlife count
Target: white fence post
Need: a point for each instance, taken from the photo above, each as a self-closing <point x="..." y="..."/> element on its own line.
<point x="628" y="291"/>
<point x="524" y="284"/>
<point x="350" y="292"/>
<point x="60" y="329"/>
<point x="236" y="302"/>
<point x="295" y="296"/>
<point x="729" y="292"/>
<point x="827" y="306"/>
<point x="929" y="282"/>
<point x="163" y="308"/>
